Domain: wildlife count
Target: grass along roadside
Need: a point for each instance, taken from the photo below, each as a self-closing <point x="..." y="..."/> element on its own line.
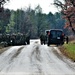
<point x="68" y="50"/>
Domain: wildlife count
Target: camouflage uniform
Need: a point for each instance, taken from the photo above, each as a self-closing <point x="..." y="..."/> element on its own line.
<point x="28" y="39"/>
<point x="42" y="39"/>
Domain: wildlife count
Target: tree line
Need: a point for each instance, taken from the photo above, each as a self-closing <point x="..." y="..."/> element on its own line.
<point x="29" y="21"/>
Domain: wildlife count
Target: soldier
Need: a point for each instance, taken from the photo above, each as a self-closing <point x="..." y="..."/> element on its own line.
<point x="12" y="40"/>
<point x="67" y="39"/>
<point x="8" y="39"/>
<point x="42" y="38"/>
<point x="27" y="39"/>
<point x="24" y="39"/>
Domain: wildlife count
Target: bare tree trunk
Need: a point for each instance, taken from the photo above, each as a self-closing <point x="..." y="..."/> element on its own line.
<point x="71" y="26"/>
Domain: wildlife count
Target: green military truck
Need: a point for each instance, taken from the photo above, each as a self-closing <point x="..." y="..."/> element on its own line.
<point x="14" y="39"/>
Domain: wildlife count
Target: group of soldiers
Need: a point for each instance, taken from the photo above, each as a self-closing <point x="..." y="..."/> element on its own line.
<point x="43" y="39"/>
<point x="15" y="39"/>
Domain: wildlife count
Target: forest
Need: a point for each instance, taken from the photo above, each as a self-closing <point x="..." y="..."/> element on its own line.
<point x="29" y="21"/>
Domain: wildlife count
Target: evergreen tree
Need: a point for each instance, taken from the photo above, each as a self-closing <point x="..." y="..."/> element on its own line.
<point x="10" y="26"/>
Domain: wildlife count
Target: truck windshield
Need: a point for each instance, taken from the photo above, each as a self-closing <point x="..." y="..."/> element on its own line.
<point x="55" y="34"/>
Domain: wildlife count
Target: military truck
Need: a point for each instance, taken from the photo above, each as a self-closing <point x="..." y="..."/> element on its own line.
<point x="55" y="36"/>
<point x="14" y="39"/>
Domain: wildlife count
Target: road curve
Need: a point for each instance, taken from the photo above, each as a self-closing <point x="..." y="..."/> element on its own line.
<point x="35" y="59"/>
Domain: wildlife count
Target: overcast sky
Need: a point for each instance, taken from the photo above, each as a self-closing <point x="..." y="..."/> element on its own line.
<point x="45" y="5"/>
